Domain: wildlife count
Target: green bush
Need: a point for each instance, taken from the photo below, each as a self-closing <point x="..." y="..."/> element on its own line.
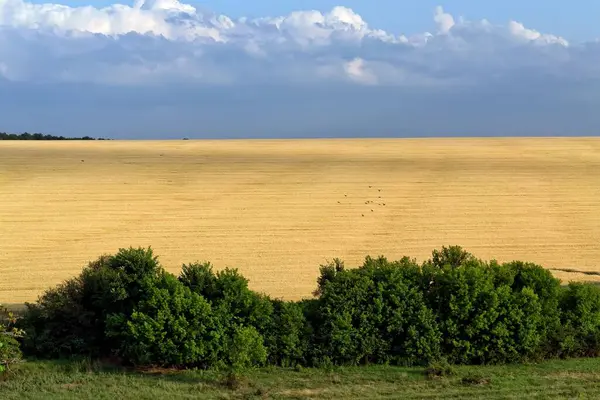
<point x="234" y="305"/>
<point x="288" y="338"/>
<point x="579" y="333"/>
<point x="439" y="369"/>
<point x="10" y="352"/>
<point x="452" y="257"/>
<point x="371" y="315"/>
<point x="480" y="321"/>
<point x="452" y="307"/>
<point x="239" y="305"/>
<point x="200" y="278"/>
<point x="228" y="293"/>
<point x="59" y="324"/>
<point x="70" y="319"/>
<point x="244" y="349"/>
<point x="327" y="274"/>
<point x="170" y="326"/>
<point x="547" y="288"/>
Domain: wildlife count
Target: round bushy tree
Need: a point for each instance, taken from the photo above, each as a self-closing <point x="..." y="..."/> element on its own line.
<point x="375" y="314"/>
<point x="579" y="332"/>
<point x="481" y="321"/>
<point x="70" y="319"/>
<point x="233" y="303"/>
<point x="170" y="326"/>
<point x="288" y="338"/>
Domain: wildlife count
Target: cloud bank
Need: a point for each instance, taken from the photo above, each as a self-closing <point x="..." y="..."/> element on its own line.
<point x="180" y="51"/>
<point x="155" y="41"/>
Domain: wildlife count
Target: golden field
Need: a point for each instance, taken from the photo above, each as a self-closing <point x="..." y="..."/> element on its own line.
<point x="278" y="209"/>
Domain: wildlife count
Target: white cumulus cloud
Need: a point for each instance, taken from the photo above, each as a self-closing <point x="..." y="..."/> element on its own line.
<point x="518" y="30"/>
<point x="158" y="41"/>
<point x="445" y="21"/>
<point x="357" y="71"/>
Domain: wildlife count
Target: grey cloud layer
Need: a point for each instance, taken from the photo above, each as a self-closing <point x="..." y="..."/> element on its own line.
<point x="166" y="41"/>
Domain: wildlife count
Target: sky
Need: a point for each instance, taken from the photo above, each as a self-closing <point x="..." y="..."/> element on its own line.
<point x="146" y="69"/>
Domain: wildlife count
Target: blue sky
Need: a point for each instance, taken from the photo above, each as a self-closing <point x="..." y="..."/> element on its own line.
<point x="233" y="68"/>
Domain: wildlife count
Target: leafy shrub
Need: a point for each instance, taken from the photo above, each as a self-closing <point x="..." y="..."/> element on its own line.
<point x="547" y="288"/>
<point x="170" y="326"/>
<point x="453" y="308"/>
<point x="237" y="308"/>
<point x="228" y="293"/>
<point x="200" y="278"/>
<point x="482" y="322"/>
<point x="70" y="319"/>
<point x="439" y="369"/>
<point x="453" y="257"/>
<point x="288" y="338"/>
<point x="10" y="352"/>
<point x="327" y="274"/>
<point x="60" y="325"/>
<point x="371" y="315"/>
<point x="579" y="333"/>
<point x="239" y="305"/>
<point x="244" y="349"/>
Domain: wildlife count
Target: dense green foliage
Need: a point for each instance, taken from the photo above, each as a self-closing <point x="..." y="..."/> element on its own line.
<point x="453" y="308"/>
<point x="40" y="136"/>
<point x="72" y="318"/>
<point x="169" y="326"/>
<point x="484" y="320"/>
<point x="579" y="329"/>
<point x="375" y="314"/>
<point x="10" y="352"/>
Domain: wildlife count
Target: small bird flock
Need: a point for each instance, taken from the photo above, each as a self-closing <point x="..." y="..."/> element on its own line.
<point x="371" y="203"/>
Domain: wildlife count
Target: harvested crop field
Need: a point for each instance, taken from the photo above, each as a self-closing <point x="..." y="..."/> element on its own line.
<point x="279" y="209"/>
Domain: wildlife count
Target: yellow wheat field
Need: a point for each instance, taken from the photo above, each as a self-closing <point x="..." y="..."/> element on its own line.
<point x="279" y="209"/>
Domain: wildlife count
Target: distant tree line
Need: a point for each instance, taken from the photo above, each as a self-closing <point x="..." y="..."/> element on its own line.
<point x="40" y="136"/>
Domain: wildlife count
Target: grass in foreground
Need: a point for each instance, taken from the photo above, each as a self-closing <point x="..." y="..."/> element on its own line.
<point x="82" y="380"/>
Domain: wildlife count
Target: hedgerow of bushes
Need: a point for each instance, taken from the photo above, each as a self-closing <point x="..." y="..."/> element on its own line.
<point x="453" y="308"/>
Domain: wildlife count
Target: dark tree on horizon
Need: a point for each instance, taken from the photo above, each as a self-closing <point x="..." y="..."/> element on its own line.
<point x="40" y="136"/>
